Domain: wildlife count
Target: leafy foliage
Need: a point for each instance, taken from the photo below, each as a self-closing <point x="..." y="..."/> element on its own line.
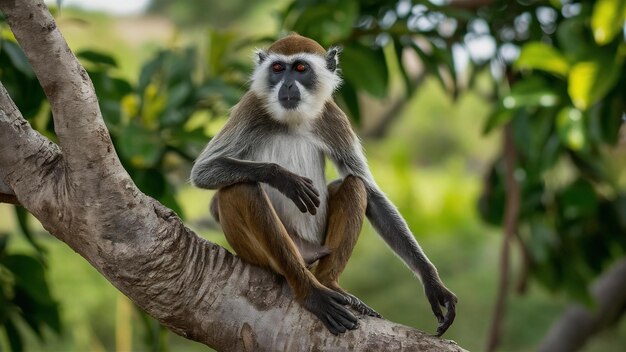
<point x="558" y="74"/>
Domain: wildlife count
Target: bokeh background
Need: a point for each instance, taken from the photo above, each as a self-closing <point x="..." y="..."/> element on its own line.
<point x="493" y="125"/>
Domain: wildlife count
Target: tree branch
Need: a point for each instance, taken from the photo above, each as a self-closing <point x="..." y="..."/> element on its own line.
<point x="511" y="213"/>
<point x="77" y="117"/>
<point x="579" y="323"/>
<point x="84" y="197"/>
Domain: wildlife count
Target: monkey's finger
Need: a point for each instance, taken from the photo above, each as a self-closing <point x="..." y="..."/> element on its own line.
<point x="308" y="202"/>
<point x="334" y="325"/>
<point x="310" y="206"/>
<point x="311" y="193"/>
<point x="313" y="189"/>
<point x="434" y="304"/>
<point x="299" y="203"/>
<point x="345" y="313"/>
<point x="339" y="298"/>
<point x="449" y="319"/>
<point x="350" y="325"/>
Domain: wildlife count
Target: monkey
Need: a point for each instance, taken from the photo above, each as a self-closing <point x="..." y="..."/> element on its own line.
<point x="273" y="203"/>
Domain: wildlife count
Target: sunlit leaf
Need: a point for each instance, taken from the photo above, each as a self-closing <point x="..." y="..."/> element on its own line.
<point x="591" y="79"/>
<point x="541" y="56"/>
<point x="571" y="128"/>
<point x="607" y="20"/>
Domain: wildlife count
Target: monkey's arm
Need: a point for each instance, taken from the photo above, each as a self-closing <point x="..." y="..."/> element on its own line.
<point x="222" y="171"/>
<point x="390" y="225"/>
<point x="343" y="147"/>
<point x="388" y="222"/>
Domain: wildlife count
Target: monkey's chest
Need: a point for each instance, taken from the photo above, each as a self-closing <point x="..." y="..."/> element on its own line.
<point x="302" y="157"/>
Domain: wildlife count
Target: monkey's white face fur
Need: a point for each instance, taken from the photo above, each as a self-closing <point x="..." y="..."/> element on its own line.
<point x="312" y="99"/>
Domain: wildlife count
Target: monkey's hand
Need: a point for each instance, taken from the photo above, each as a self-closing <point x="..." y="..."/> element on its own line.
<point x="328" y="306"/>
<point x="297" y="188"/>
<point x="439" y="296"/>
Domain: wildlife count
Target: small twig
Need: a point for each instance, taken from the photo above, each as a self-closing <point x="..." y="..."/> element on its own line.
<point x="522" y="282"/>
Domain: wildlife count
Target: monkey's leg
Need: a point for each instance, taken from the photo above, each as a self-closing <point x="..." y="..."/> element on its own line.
<point x="256" y="233"/>
<point x="346" y="212"/>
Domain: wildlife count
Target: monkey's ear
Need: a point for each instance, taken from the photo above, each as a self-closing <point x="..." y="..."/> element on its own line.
<point x="259" y="56"/>
<point x="332" y="58"/>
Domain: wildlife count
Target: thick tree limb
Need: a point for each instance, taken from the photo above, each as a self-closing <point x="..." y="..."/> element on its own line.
<point x="578" y="323"/>
<point x="83" y="196"/>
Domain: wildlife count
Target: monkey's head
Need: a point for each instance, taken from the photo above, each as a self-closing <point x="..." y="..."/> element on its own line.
<point x="295" y="77"/>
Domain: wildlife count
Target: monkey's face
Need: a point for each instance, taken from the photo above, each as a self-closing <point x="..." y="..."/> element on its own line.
<point x="295" y="87"/>
<point x="289" y="79"/>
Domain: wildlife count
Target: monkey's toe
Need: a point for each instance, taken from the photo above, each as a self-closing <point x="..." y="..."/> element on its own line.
<point x="328" y="306"/>
<point x="361" y="307"/>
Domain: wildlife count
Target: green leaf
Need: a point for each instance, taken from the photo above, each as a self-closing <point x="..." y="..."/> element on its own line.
<point x="572" y="129"/>
<point x="607" y="20"/>
<point x="22" y="221"/>
<point x="37" y="314"/>
<point x="14" y="337"/>
<point x="351" y="101"/>
<point x="28" y="273"/>
<point x="541" y="56"/>
<point x="151" y="181"/>
<point x="578" y="199"/>
<point x="96" y="57"/>
<point x="530" y="92"/>
<point x="328" y="22"/>
<point x="496" y="119"/>
<point x="365" y="68"/>
<point x="574" y="38"/>
<point x="17" y="57"/>
<point x="591" y="79"/>
<point x="142" y="147"/>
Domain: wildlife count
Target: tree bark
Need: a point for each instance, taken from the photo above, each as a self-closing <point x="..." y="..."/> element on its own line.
<point x="82" y="195"/>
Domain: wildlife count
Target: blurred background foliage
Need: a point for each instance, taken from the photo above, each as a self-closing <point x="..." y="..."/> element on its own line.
<point x="431" y="86"/>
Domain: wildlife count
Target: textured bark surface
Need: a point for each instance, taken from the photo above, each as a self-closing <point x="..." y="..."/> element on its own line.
<point x="82" y="195"/>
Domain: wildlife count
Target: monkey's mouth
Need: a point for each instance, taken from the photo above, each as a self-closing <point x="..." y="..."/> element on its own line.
<point x="289" y="98"/>
<point x="289" y="102"/>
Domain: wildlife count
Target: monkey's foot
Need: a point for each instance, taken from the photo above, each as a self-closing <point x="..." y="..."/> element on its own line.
<point x="361" y="307"/>
<point x="328" y="306"/>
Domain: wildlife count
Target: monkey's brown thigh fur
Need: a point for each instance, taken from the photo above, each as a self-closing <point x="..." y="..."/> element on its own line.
<point x="255" y="232"/>
<point x="257" y="235"/>
<point x="346" y="212"/>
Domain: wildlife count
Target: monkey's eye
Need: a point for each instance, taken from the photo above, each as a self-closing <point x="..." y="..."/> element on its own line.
<point x="300" y="67"/>
<point x="277" y="67"/>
